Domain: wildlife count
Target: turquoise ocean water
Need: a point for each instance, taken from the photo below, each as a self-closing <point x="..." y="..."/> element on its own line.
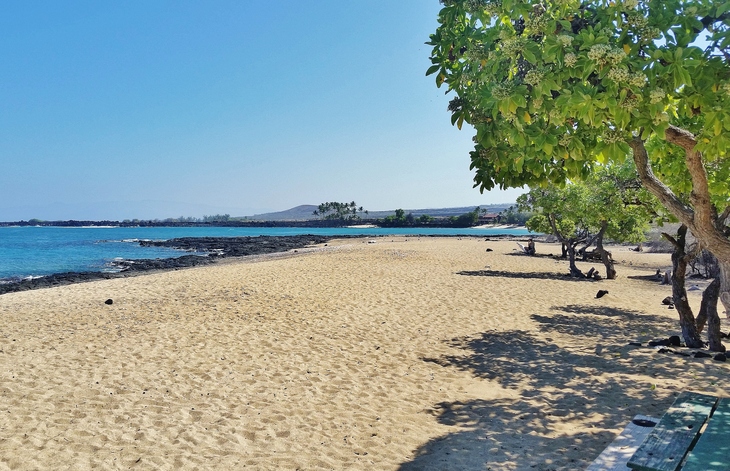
<point x="38" y="251"/>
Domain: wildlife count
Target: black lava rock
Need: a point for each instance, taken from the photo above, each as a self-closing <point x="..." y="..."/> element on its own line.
<point x="674" y="341"/>
<point x="720" y="357"/>
<point x="601" y="293"/>
<point x="109" y="302"/>
<point x="212" y="247"/>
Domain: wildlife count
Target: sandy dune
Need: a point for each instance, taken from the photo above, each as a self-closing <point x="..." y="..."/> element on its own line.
<point x="402" y="354"/>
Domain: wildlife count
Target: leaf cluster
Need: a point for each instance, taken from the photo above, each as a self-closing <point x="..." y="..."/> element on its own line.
<point x="612" y="199"/>
<point x="555" y="88"/>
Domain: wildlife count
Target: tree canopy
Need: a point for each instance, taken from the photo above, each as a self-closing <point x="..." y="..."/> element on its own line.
<point x="333" y="210"/>
<point x="610" y="204"/>
<point x="555" y="88"/>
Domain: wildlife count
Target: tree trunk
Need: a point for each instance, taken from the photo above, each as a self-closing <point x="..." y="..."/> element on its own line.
<point x="725" y="285"/>
<point x="606" y="257"/>
<point x="574" y="270"/>
<point x="700" y="217"/>
<point x="708" y="314"/>
<point x="679" y="294"/>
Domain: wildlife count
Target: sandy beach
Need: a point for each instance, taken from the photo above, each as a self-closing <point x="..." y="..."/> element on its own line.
<point x="396" y="353"/>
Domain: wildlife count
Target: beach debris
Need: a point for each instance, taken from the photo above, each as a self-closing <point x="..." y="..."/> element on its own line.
<point x="601" y="293"/>
<point x="672" y="351"/>
<point x="673" y="341"/>
<point x="720" y="357"/>
<point x="109" y="302"/>
<point x="668" y="301"/>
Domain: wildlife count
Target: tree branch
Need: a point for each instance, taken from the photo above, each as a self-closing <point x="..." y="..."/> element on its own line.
<point x="551" y="220"/>
<point x="665" y="195"/>
<point x="671" y="239"/>
<point x="700" y="196"/>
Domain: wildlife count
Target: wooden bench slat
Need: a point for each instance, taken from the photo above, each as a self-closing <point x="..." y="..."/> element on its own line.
<point x="677" y="430"/>
<point x="712" y="452"/>
<point x="615" y="456"/>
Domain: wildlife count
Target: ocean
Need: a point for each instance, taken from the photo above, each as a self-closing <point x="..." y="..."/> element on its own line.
<point x="40" y="251"/>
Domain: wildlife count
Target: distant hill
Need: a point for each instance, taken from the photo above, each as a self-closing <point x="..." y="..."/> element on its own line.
<point x="304" y="212"/>
<point x="298" y="213"/>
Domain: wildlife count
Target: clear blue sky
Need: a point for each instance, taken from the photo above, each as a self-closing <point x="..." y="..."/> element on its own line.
<point x="154" y="109"/>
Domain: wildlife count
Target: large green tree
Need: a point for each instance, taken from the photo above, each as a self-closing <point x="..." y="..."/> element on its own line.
<point x="609" y="204"/>
<point x="554" y="88"/>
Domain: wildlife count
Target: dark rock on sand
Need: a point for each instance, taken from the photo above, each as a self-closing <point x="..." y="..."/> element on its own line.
<point x="109" y="302"/>
<point x="601" y="293"/>
<point x="668" y="301"/>
<point x="720" y="357"/>
<point x="702" y="355"/>
<point x="675" y="341"/>
<point x="660" y="343"/>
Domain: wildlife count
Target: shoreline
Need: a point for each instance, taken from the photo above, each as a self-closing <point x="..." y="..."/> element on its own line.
<point x="213" y="249"/>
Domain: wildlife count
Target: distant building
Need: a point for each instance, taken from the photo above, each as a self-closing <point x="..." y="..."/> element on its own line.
<point x="489" y="218"/>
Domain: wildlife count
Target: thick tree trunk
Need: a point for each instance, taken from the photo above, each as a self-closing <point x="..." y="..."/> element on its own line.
<point x="708" y="314"/>
<point x="725" y="286"/>
<point x="574" y="270"/>
<point x="606" y="257"/>
<point x="701" y="216"/>
<point x="679" y="294"/>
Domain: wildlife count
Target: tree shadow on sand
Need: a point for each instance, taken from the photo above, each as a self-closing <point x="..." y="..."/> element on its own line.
<point x="522" y="275"/>
<point x="546" y="387"/>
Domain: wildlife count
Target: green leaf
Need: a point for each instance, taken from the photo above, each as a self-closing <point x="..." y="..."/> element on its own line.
<point x="432" y="69"/>
<point x="724" y="8"/>
<point x="529" y="55"/>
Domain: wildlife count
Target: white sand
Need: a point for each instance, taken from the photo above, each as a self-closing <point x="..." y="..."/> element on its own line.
<point x="357" y="356"/>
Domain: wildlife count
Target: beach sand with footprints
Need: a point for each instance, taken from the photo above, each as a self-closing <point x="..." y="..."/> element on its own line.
<point x="395" y="353"/>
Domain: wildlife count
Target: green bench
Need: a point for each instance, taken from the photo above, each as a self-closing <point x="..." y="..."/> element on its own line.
<point x="680" y="434"/>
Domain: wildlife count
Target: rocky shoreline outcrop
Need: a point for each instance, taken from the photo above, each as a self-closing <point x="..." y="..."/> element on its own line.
<point x="208" y="250"/>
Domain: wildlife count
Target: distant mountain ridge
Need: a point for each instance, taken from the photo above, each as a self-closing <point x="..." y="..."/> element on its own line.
<point x="305" y="212"/>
